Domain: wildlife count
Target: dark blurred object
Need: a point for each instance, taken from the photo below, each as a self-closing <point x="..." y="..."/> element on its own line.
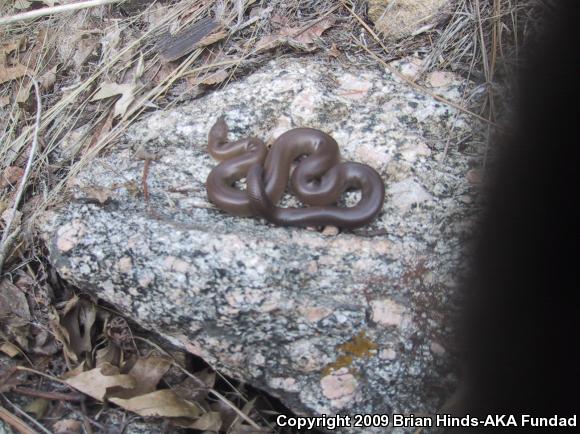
<point x="521" y="325"/>
<point x="172" y="47"/>
<point x="133" y="7"/>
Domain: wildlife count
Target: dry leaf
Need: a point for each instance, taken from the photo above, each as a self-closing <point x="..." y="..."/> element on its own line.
<point x="8" y="73"/>
<point x="62" y="336"/>
<point x="96" y="383"/>
<point x="4" y="101"/>
<point x="238" y="425"/>
<point x="214" y="78"/>
<point x="14" y="313"/>
<point x="74" y="372"/>
<point x="73" y="327"/>
<point x="74" y="140"/>
<point x="310" y="34"/>
<point x="44" y="343"/>
<point x="70" y="304"/>
<point x="10" y="378"/>
<point x="9" y="349"/>
<point x="211" y="421"/>
<point x="24" y="92"/>
<point x="162" y="403"/>
<point x="211" y="39"/>
<point x="109" y="354"/>
<point x="84" y="50"/>
<point x="334" y="51"/>
<point x="102" y="131"/>
<point x="17" y="219"/>
<point x="48" y="79"/>
<point x="38" y="407"/>
<point x="68" y="426"/>
<point x="139" y="68"/>
<point x="143" y="153"/>
<point x="279" y="20"/>
<point x="147" y="371"/>
<point x="8" y="47"/>
<point x="109" y="89"/>
<point x="196" y="387"/>
<point x="78" y="320"/>
<point x="11" y="176"/>
<point x="21" y="4"/>
<point x="110" y="41"/>
<point x="97" y="194"/>
<point x="301" y="37"/>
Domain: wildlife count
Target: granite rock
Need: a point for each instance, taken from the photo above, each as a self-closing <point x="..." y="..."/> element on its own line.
<point x="328" y="321"/>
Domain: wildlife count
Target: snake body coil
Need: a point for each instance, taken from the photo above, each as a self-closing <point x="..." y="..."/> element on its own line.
<point x="318" y="180"/>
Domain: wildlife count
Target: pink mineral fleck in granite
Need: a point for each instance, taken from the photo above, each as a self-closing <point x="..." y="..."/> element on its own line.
<point x="387" y="312"/>
<point x="195" y="348"/>
<point x="125" y="264"/>
<point x="312" y="267"/>
<point x="353" y="87"/>
<point x="339" y="387"/>
<point x="440" y="78"/>
<point x="437" y="348"/>
<point x="288" y="384"/>
<point x="314" y="314"/>
<point x="69" y="235"/>
<point x="176" y="264"/>
<point x="388" y="354"/>
<point x="372" y="156"/>
<point x="304" y="103"/>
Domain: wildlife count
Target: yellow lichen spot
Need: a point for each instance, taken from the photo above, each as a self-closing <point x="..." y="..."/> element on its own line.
<point x="343" y="361"/>
<point x="357" y="347"/>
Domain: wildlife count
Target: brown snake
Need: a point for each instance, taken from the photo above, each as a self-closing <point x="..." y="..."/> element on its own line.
<point x="318" y="180"/>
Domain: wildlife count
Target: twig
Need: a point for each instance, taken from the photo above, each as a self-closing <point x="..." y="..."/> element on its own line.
<point x="42" y="374"/>
<point x="15" y="422"/>
<point x="54" y="10"/>
<point x="144" y="180"/>
<point x="49" y="395"/>
<point x="86" y="420"/>
<point x="7" y="236"/>
<point x="27" y="416"/>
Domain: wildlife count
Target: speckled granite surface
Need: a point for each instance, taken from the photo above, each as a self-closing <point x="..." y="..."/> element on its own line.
<point x="358" y="322"/>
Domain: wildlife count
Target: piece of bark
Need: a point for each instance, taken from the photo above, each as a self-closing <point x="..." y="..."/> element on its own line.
<point x="172" y="47"/>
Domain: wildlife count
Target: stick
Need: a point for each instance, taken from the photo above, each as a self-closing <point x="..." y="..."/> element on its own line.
<point x="54" y="10"/>
<point x="15" y="422"/>
<point x="49" y="395"/>
<point x="26" y="416"/>
<point x="7" y="237"/>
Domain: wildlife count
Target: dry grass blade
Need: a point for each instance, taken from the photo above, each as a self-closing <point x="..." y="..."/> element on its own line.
<point x="214" y="392"/>
<point x="402" y="76"/>
<point x="8" y="236"/>
<point x="54" y="10"/>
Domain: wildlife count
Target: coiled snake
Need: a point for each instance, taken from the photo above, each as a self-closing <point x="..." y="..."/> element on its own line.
<point x="318" y="180"/>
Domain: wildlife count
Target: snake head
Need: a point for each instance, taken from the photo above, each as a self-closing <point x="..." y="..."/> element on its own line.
<point x="218" y="133"/>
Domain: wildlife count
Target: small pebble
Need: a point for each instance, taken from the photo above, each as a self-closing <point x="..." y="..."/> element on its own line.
<point x="330" y="231"/>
